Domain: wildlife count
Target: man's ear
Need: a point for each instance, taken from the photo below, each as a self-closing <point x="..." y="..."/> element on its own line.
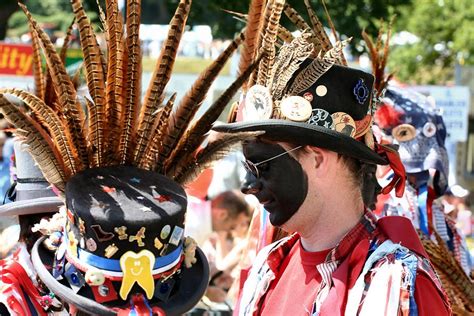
<point x="321" y="160"/>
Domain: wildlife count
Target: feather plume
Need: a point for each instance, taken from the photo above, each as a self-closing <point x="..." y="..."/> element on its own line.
<point x="204" y="157"/>
<point x="115" y="80"/>
<point x="67" y="40"/>
<point x="193" y="99"/>
<point x="154" y="157"/>
<point x="37" y="65"/>
<point x="459" y="287"/>
<point x="133" y="77"/>
<point x="318" y="29"/>
<point x="268" y="43"/>
<point x="285" y="35"/>
<point x="288" y="61"/>
<point x="195" y="135"/>
<point x="154" y="96"/>
<point x="95" y="81"/>
<point x="308" y="76"/>
<point x="379" y="58"/>
<point x="102" y="17"/>
<point x="51" y="121"/>
<point x="252" y="30"/>
<point x="64" y="88"/>
<point x="40" y="145"/>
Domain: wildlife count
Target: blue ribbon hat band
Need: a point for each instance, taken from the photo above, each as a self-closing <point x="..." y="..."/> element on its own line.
<point x="112" y="266"/>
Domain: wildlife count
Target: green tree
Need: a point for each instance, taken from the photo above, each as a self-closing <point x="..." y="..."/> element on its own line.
<point x="445" y="37"/>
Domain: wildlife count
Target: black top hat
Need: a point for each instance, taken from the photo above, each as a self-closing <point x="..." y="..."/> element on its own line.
<point x="33" y="194"/>
<point x="333" y="112"/>
<point x="122" y="239"/>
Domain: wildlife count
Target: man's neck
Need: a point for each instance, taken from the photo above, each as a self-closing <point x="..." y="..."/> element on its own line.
<point x="332" y="224"/>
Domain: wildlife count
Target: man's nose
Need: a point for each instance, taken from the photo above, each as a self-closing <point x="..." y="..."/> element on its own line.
<point x="251" y="185"/>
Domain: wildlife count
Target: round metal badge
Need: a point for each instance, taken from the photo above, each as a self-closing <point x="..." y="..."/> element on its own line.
<point x="404" y="132"/>
<point x="344" y="123"/>
<point x="429" y="129"/>
<point x="258" y="104"/>
<point x="296" y="108"/>
<point x="320" y="117"/>
<point x="165" y="232"/>
<point x="362" y="126"/>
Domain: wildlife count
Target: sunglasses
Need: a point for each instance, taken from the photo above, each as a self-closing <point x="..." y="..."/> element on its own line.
<point x="253" y="167"/>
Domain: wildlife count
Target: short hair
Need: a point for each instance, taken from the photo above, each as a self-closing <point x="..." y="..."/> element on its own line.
<point x="363" y="176"/>
<point x="233" y="201"/>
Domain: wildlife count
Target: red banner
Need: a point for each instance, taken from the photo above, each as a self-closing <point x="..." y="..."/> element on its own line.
<point x="16" y="59"/>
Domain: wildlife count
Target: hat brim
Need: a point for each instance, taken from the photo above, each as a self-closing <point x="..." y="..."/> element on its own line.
<point x="305" y="134"/>
<point x="48" y="204"/>
<point x="194" y="282"/>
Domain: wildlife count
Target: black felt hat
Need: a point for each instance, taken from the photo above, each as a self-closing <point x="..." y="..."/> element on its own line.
<point x="123" y="237"/>
<point x="332" y="112"/>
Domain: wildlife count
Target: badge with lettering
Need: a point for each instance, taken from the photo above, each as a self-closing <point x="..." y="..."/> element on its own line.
<point x="320" y="117"/>
<point x="296" y="108"/>
<point x="258" y="104"/>
<point x="137" y="268"/>
<point x="362" y="126"/>
<point x="344" y="123"/>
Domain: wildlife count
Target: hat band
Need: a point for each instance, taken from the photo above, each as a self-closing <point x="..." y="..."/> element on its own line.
<point x="114" y="264"/>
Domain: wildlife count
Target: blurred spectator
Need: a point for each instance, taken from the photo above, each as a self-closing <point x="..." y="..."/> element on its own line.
<point x="219" y="226"/>
<point x="456" y="206"/>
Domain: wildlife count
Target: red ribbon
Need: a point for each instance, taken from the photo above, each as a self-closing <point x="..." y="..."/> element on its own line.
<point x="140" y="306"/>
<point x="399" y="176"/>
<point x="14" y="275"/>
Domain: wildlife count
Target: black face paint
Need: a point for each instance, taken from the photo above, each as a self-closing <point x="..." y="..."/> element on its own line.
<point x="282" y="186"/>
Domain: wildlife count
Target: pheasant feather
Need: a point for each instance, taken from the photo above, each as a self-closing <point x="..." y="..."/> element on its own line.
<point x="37" y="65"/>
<point x="51" y="121"/>
<point x="154" y="96"/>
<point x="95" y="81"/>
<point x="133" y="78"/>
<point x="40" y="145"/>
<point x="197" y="133"/>
<point x="64" y="88"/>
<point x="154" y="157"/>
<point x="191" y="102"/>
<point x="203" y="158"/>
<point x="318" y="29"/>
<point x="252" y="30"/>
<point x="115" y="80"/>
<point x="268" y="43"/>
<point x="316" y="69"/>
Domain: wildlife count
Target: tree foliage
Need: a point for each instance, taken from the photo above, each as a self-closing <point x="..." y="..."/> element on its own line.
<point x="445" y="37"/>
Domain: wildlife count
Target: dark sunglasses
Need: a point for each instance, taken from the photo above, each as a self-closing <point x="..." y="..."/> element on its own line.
<point x="253" y="167"/>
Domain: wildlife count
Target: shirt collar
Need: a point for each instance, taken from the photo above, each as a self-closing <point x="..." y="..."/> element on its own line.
<point x="363" y="229"/>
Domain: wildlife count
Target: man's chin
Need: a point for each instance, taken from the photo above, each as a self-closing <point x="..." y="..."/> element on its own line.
<point x="276" y="219"/>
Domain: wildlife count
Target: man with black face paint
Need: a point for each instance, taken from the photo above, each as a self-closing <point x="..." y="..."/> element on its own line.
<point x="313" y="169"/>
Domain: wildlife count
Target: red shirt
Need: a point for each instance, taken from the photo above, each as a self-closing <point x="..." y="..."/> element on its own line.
<point x="294" y="289"/>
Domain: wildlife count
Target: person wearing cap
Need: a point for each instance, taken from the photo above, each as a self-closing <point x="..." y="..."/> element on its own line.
<point x="312" y="165"/>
